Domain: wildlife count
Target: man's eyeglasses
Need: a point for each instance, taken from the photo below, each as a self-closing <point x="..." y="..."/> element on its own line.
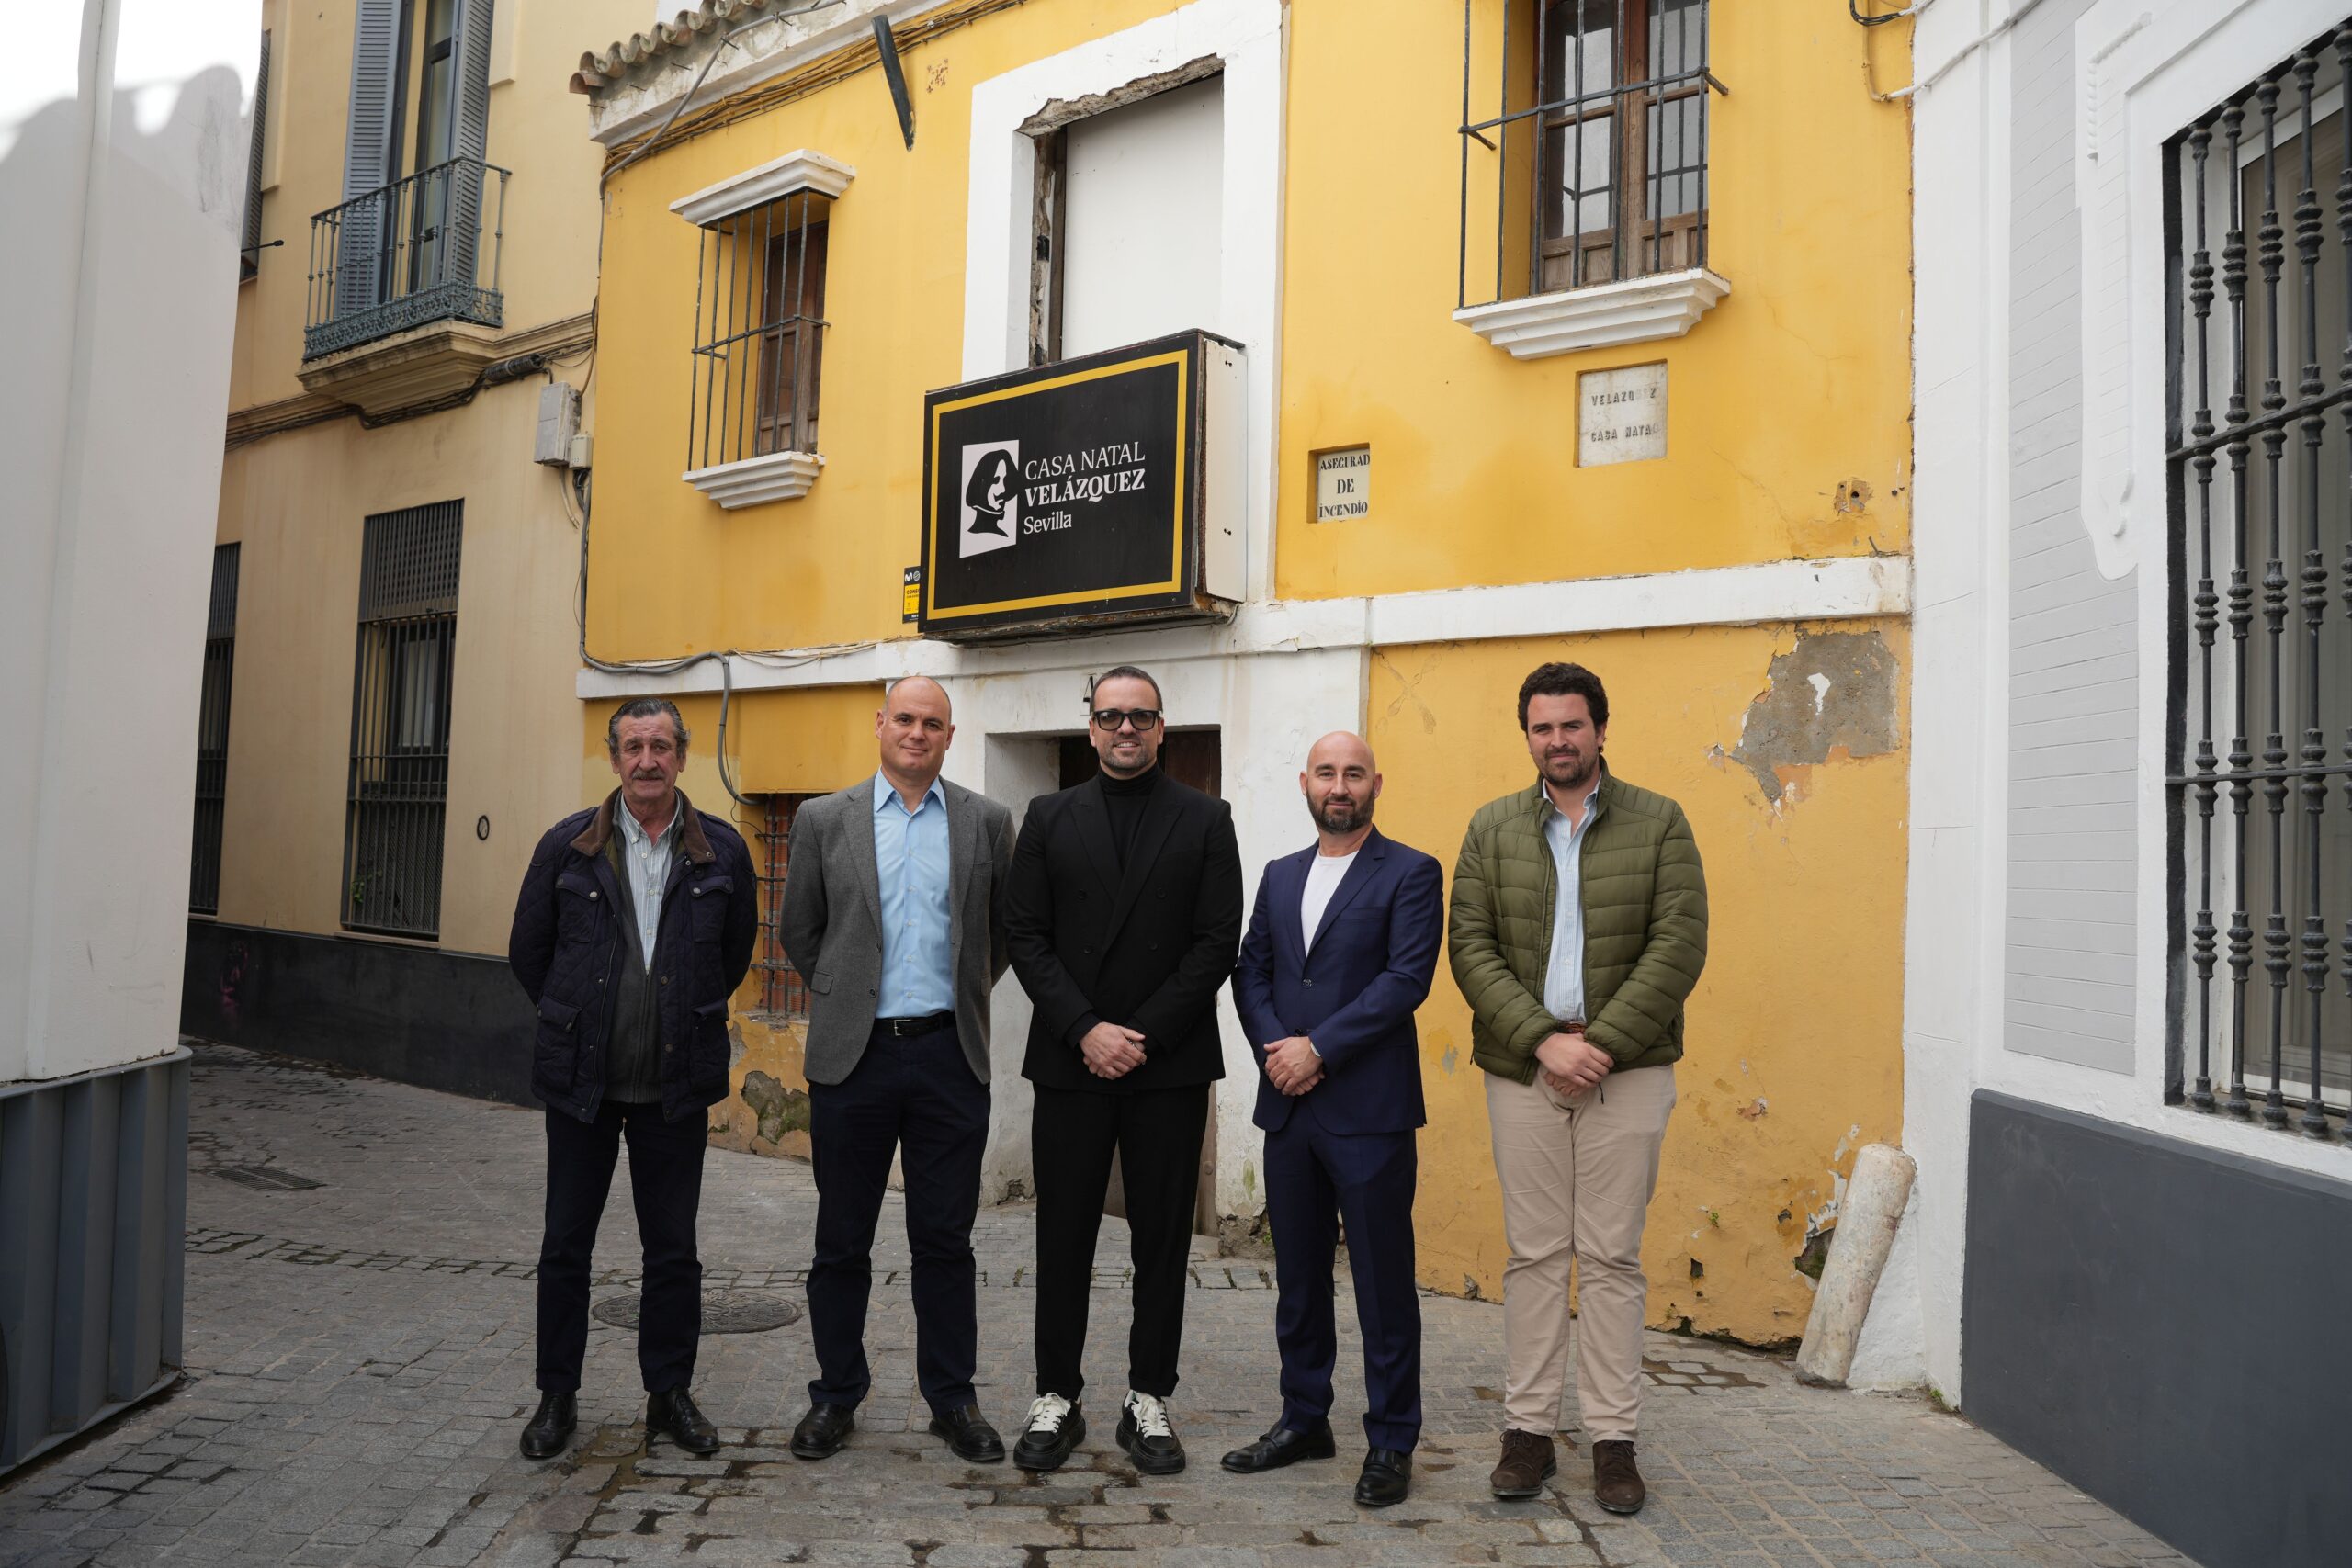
<point x="1108" y="720"/>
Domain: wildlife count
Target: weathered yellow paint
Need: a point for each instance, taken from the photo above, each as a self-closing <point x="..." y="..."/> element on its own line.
<point x="810" y="741"/>
<point x="1794" y="1050"/>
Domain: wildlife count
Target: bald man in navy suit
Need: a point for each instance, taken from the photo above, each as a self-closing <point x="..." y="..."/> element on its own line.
<point x="1342" y="948"/>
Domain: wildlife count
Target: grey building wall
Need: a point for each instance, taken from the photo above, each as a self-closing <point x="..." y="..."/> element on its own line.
<point x="2073" y="653"/>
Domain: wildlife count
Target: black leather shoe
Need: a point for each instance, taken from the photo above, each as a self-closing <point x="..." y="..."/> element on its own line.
<point x="1146" y="1436"/>
<point x="1280" y="1447"/>
<point x="823" y="1431"/>
<point x="969" y="1434"/>
<point x="1387" y="1476"/>
<point x="676" y="1414"/>
<point x="1055" y="1429"/>
<point x="551" y="1428"/>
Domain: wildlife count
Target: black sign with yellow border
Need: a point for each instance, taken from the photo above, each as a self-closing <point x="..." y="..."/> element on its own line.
<point x="1067" y="496"/>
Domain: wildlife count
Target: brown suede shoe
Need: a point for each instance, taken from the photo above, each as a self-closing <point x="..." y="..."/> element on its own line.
<point x="1528" y="1459"/>
<point x="1616" y="1480"/>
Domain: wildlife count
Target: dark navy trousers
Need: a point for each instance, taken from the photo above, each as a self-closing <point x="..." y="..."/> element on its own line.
<point x="1315" y="1180"/>
<point x="916" y="1096"/>
<point x="665" y="1178"/>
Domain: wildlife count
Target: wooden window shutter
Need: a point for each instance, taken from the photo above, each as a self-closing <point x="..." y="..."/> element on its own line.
<point x="249" y="258"/>
<point x="470" y="139"/>
<point x="367" y="155"/>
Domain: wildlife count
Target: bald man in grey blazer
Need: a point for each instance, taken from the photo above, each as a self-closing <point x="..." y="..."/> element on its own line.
<point x="892" y="913"/>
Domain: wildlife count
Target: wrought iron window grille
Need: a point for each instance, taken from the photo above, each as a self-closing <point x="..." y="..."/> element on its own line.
<point x="398" y="795"/>
<point x="2261" y="543"/>
<point x="212" y="734"/>
<point x="760" y="332"/>
<point x="1598" y="141"/>
<point x="420" y="250"/>
<point x="783" y="995"/>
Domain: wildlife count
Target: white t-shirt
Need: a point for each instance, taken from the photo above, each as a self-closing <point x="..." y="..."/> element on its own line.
<point x="1324" y="874"/>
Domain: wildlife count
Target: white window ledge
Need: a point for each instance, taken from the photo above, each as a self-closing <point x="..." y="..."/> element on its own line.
<point x="797" y="171"/>
<point x="1639" y="309"/>
<point x="754" y="482"/>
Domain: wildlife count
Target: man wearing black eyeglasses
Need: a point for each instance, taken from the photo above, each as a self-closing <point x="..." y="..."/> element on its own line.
<point x="1122" y="914"/>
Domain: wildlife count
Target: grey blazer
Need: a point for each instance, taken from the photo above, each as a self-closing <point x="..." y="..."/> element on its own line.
<point x="833" y="919"/>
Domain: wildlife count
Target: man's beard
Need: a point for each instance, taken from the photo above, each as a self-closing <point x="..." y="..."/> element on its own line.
<point x="1580" y="770"/>
<point x="1344" y="818"/>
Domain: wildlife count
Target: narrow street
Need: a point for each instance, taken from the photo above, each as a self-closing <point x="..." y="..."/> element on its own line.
<point x="359" y="1356"/>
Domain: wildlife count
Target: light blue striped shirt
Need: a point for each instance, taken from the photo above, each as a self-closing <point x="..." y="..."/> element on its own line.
<point x="1563" y="977"/>
<point x="647" y="859"/>
<point x="910" y="863"/>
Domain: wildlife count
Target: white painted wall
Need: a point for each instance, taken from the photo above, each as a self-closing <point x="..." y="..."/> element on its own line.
<point x="1143" y="234"/>
<point x="2042" y="138"/>
<point x="122" y="160"/>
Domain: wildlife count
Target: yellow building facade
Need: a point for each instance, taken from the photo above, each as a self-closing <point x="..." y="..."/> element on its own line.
<point x="1602" y="357"/>
<point x="389" y="719"/>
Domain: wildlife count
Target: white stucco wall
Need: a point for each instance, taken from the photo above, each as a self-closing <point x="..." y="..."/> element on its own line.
<point x="122" y="163"/>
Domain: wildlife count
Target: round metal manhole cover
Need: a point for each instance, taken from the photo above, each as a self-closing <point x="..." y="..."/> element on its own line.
<point x="723" y="1312"/>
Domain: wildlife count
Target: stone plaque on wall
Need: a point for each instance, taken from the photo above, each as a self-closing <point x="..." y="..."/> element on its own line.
<point x="1621" y="415"/>
<point x="1342" y="484"/>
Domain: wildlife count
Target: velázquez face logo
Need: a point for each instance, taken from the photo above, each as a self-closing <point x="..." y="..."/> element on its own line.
<point x="991" y="505"/>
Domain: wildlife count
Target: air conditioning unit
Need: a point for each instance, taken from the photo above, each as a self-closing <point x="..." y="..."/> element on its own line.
<point x="558" y="422"/>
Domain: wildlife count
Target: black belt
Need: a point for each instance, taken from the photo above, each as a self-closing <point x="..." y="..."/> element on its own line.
<point x="901" y="1028"/>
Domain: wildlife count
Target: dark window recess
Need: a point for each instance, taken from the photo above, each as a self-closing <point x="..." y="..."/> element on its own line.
<point x="783" y="993"/>
<point x="212" y="735"/>
<point x="2259" y="437"/>
<point x="760" y="332"/>
<point x="399" y="721"/>
<point x="249" y="252"/>
<point x="1585" y="155"/>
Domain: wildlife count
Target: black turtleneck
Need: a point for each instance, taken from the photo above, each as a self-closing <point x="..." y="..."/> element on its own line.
<point x="1125" y="799"/>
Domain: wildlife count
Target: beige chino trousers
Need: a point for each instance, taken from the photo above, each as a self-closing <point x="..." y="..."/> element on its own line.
<point x="1577" y="1177"/>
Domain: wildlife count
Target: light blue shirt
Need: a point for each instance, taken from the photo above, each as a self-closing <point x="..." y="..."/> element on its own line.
<point x="911" y="864"/>
<point x="647" y="859"/>
<point x="1564" y="976"/>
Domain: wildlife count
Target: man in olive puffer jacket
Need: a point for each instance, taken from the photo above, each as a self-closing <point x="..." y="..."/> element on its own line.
<point x="1577" y="928"/>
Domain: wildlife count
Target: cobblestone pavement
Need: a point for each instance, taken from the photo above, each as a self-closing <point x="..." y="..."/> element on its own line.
<point x="359" y="1363"/>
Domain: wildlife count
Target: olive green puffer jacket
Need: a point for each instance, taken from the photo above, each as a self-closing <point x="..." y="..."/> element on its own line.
<point x="1645" y="927"/>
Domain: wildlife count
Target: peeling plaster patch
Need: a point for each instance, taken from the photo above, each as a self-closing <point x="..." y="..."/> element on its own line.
<point x="1059" y="112"/>
<point x="1852" y="496"/>
<point x="1754" y="1111"/>
<point x="1833" y="695"/>
<point x="1449" y="1060"/>
<point x="780" y="1110"/>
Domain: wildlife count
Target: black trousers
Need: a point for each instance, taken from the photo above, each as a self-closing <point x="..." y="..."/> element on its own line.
<point x="1158" y="1137"/>
<point x="665" y="1178"/>
<point x="915" y="1094"/>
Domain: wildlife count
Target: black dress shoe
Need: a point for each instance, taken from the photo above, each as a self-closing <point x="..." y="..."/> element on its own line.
<point x="676" y="1414"/>
<point x="1387" y="1477"/>
<point x="1146" y="1436"/>
<point x="551" y="1428"/>
<point x="1055" y="1429"/>
<point x="968" y="1433"/>
<point x="823" y="1431"/>
<point x="1281" y="1447"/>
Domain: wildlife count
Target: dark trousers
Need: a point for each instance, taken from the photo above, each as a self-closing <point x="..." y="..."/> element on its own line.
<point x="665" y="1178"/>
<point x="1158" y="1137"/>
<point x="1313" y="1181"/>
<point x="915" y="1094"/>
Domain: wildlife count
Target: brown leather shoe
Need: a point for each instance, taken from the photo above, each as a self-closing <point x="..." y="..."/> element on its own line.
<point x="1616" y="1480"/>
<point x="1528" y="1461"/>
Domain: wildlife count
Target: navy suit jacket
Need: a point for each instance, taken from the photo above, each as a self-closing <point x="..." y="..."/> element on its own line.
<point x="1353" y="993"/>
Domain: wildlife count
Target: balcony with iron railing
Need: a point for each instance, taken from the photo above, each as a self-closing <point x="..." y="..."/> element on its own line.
<point x="416" y="252"/>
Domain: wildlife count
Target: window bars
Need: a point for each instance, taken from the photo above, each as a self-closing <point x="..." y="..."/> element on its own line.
<point x="1599" y="141"/>
<point x="760" y="332"/>
<point x="399" y="721"/>
<point x="212" y="735"/>
<point x="783" y="993"/>
<point x="2268" y="537"/>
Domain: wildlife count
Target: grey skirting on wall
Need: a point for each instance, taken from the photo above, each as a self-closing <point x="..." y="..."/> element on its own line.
<point x="2164" y="1324"/>
<point x="93" y="1225"/>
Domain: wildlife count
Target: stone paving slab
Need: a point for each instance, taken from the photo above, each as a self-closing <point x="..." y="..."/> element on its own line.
<point x="359" y="1363"/>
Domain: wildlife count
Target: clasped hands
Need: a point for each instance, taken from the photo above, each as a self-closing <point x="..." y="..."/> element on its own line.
<point x="1112" y="1050"/>
<point x="1292" y="1064"/>
<point x="1571" y="1064"/>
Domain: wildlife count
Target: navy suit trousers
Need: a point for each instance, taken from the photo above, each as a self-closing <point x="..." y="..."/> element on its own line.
<point x="1315" y="1181"/>
<point x="915" y="1094"/>
<point x="665" y="1178"/>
